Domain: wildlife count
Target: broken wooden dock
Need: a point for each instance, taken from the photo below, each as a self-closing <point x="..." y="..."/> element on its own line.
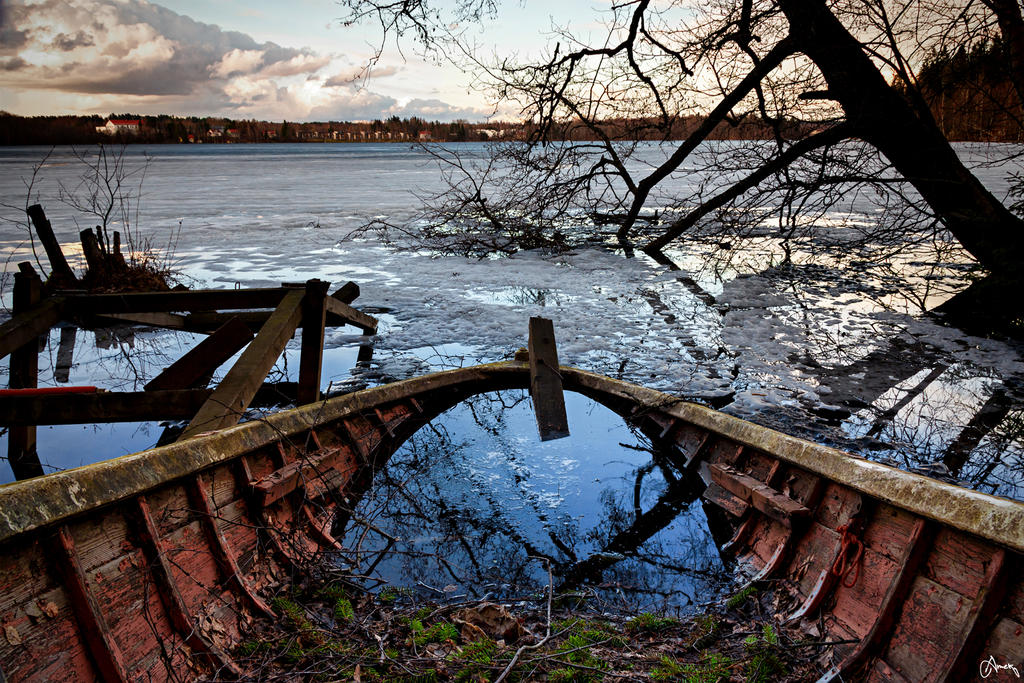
<point x="260" y="321"/>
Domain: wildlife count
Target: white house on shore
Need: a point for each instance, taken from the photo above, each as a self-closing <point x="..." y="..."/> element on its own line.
<point x="115" y="126"/>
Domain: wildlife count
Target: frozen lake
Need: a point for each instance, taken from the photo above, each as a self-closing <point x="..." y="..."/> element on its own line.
<point x="811" y="350"/>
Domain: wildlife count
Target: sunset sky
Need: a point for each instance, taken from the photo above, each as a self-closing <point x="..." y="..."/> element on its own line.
<point x="259" y="59"/>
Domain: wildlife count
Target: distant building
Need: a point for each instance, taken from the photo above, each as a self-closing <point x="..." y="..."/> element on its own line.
<point x="215" y="132"/>
<point x="115" y="126"/>
<point x="424" y="135"/>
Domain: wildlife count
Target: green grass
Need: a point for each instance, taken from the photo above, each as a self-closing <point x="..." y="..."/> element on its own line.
<point x="438" y="633"/>
<point x="343" y="610"/>
<point x="711" y="669"/>
<point x="740" y="597"/>
<point x="294" y="615"/>
<point x="764" y="665"/>
<point x="650" y="623"/>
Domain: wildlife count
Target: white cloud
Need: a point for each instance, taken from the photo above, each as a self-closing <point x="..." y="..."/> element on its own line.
<point x="237" y="62"/>
<point x="134" y="55"/>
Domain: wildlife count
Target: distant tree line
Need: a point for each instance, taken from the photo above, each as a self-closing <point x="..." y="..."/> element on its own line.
<point x="65" y="130"/>
<point x="971" y="95"/>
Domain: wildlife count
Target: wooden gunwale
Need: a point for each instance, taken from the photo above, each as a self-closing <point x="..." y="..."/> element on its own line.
<point x="281" y="465"/>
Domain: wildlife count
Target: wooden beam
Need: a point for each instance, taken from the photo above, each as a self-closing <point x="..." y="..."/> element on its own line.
<point x="95" y="257"/>
<point x="347" y="293"/>
<point x="171" y="321"/>
<point x="342" y="314"/>
<point x="314" y="316"/>
<point x="546" y="382"/>
<point x="27" y="326"/>
<point x="207" y="321"/>
<point x="128" y="406"/>
<point x="60" y="270"/>
<point x="206" y="357"/>
<point x="764" y="498"/>
<point x="21" y="440"/>
<point x="227" y="403"/>
<point x="162" y="302"/>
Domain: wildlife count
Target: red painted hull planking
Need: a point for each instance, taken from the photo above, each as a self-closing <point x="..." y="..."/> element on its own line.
<point x="161" y="584"/>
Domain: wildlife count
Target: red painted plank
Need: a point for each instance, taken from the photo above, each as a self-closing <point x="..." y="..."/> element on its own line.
<point x="758" y="494"/>
<point x="223" y="553"/>
<point x="917" y="546"/>
<point x="105" y="652"/>
<point x="967" y="648"/>
<point x="170" y="596"/>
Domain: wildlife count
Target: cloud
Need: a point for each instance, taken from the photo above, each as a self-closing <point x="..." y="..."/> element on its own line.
<point x="237" y="62"/>
<point x="90" y="56"/>
<point x="66" y="43"/>
<point x="356" y="104"/>
<point x="355" y="74"/>
<point x="133" y="47"/>
<point x="434" y="109"/>
<point x="13" y="64"/>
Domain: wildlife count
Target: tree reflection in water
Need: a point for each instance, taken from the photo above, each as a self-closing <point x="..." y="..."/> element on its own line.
<point x="473" y="499"/>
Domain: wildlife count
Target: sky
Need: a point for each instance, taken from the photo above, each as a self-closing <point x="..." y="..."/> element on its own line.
<point x="238" y="59"/>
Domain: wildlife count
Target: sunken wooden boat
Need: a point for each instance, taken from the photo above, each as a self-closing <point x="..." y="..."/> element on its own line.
<point x="152" y="566"/>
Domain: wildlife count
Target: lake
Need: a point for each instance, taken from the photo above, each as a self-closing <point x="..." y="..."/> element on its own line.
<point x="812" y="349"/>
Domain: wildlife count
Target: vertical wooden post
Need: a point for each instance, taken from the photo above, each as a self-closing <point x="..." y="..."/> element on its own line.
<point x="95" y="259"/>
<point x="65" y="354"/>
<point x="61" y="271"/>
<point x="314" y="318"/>
<point x="21" y="440"/>
<point x="546" y="382"/>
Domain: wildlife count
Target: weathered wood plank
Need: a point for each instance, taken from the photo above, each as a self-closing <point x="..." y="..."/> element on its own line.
<point x="230" y="399"/>
<point x="916" y="549"/>
<point x="170" y="596"/>
<point x="546" y="382"/>
<point x="128" y="406"/>
<point x="347" y="293"/>
<point x="100" y="641"/>
<point x="171" y="321"/>
<point x="60" y="270"/>
<point x="27" y="326"/>
<point x="208" y="321"/>
<point x="21" y="440"/>
<point x="311" y="356"/>
<point x="297" y="473"/>
<point x="194" y="300"/>
<point x="223" y="553"/>
<point x="340" y="313"/>
<point x="204" y="358"/>
<point x="764" y="498"/>
<point x="719" y="496"/>
<point x="964" y="655"/>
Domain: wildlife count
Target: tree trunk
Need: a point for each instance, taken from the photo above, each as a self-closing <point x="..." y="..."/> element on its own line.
<point x="915" y="147"/>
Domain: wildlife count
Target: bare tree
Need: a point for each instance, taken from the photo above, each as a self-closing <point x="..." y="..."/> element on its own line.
<point x="828" y="92"/>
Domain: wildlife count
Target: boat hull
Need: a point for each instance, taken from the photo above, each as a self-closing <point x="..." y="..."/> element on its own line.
<point x="155" y="565"/>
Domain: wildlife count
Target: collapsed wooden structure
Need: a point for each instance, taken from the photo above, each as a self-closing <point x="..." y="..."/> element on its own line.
<point x="154" y="565"/>
<point x="261" y="321"/>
